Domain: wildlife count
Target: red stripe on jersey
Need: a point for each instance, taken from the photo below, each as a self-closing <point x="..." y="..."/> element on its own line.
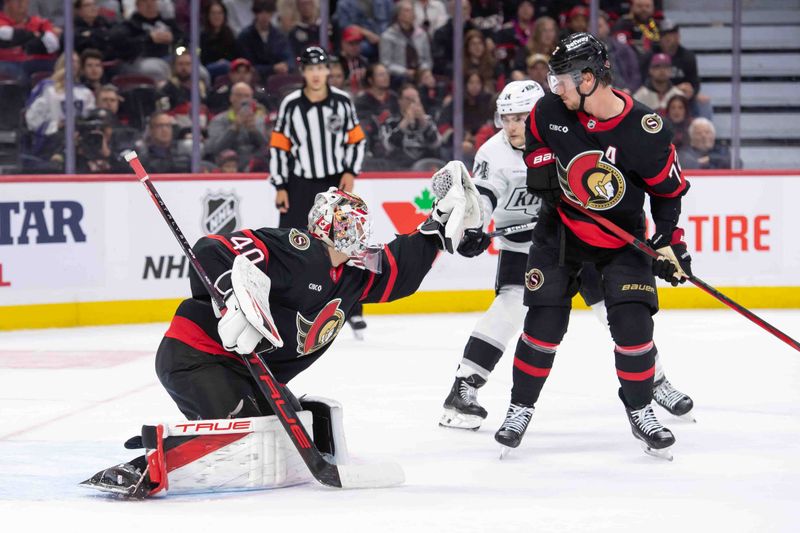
<point x="531" y="370"/>
<point x="186" y="331"/>
<point x="533" y="128"/>
<point x="591" y="233"/>
<point x="537" y="342"/>
<point x="610" y="124"/>
<point x="637" y="376"/>
<point x="368" y="287"/>
<point x="661" y="176"/>
<point x="260" y="245"/>
<point x="224" y="241"/>
<point x="392" y="275"/>
<point x="197" y="448"/>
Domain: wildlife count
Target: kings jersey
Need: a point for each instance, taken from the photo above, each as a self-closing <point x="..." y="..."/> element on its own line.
<point x="607" y="166"/>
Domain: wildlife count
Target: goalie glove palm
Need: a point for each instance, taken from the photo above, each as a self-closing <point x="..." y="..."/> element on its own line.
<point x="235" y="332"/>
<point x="458" y="208"/>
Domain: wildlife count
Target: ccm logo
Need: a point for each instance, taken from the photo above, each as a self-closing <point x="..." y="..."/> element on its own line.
<point x="215" y="426"/>
<point x="558" y="127"/>
<point x="315" y="287"/>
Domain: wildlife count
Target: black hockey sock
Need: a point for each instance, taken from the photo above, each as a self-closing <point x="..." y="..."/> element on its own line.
<point x="533" y="360"/>
<point x="635" y="369"/>
<point x="482" y="353"/>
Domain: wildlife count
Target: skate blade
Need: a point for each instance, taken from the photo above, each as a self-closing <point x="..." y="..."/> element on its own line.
<point x="115" y="490"/>
<point x="504" y="451"/>
<point x="453" y="419"/>
<point x="689" y="417"/>
<point x="358" y="334"/>
<point x="663" y="453"/>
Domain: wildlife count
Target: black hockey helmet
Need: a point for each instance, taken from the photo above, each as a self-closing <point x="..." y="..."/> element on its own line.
<point x="313" y="55"/>
<point x="578" y="53"/>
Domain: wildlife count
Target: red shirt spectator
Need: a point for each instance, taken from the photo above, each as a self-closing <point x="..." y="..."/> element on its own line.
<point x="23" y="37"/>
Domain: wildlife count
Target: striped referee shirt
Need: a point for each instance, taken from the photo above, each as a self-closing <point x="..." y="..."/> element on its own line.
<point x="315" y="140"/>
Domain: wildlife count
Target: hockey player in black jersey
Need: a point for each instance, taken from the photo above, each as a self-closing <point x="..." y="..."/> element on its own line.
<point x="314" y="277"/>
<point x="589" y="146"/>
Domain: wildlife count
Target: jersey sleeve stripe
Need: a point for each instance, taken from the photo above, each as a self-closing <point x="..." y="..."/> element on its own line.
<point x="392" y="276"/>
<point x="533" y="128"/>
<point x="368" y="287"/>
<point x="224" y="241"/>
<point x="661" y="176"/>
<point x="186" y="331"/>
<point x="280" y="141"/>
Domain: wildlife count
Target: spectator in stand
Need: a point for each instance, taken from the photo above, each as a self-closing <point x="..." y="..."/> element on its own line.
<point x="577" y="21"/>
<point x="375" y="105"/>
<point x="27" y="43"/>
<point x="487" y="16"/>
<point x="92" y="30"/>
<point x="704" y="151"/>
<point x="624" y="62"/>
<point x="227" y="162"/>
<point x="52" y="10"/>
<point x="107" y="97"/>
<point x="217" y="40"/>
<point x="658" y="88"/>
<point x="166" y="8"/>
<point x="264" y="44"/>
<point x="412" y="134"/>
<point x="430" y="15"/>
<point x="240" y="14"/>
<point x="478" y="112"/>
<point x="44" y="114"/>
<point x="372" y="17"/>
<point x="639" y="27"/>
<point x="94" y="150"/>
<point x="92" y="71"/>
<point x="241" y="70"/>
<point x="433" y="94"/>
<point x="679" y="117"/>
<point x="242" y="128"/>
<point x="122" y="136"/>
<point x="404" y="47"/>
<point x="538" y="67"/>
<point x="176" y="94"/>
<point x="144" y="40"/>
<point x="355" y="65"/>
<point x="515" y="34"/>
<point x="477" y="57"/>
<point x="543" y="41"/>
<point x="336" y="78"/>
<point x="443" y="40"/>
<point x="159" y="150"/>
<point x="305" y="32"/>
<point x="517" y="75"/>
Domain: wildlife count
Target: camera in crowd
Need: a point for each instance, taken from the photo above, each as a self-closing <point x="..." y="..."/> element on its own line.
<point x="93" y="132"/>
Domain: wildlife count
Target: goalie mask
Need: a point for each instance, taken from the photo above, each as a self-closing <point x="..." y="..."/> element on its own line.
<point x="342" y="221"/>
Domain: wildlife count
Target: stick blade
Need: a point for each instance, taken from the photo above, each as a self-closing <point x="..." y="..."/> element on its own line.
<point x="371" y="476"/>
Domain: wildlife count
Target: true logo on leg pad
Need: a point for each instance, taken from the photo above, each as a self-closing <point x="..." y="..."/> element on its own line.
<point x="534" y="278"/>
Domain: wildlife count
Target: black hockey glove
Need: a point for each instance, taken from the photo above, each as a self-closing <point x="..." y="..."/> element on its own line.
<point x="676" y="264"/>
<point x="542" y="180"/>
<point x="474" y="242"/>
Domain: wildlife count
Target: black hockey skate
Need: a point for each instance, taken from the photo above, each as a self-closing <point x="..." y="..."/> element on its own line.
<point x="656" y="439"/>
<point x="358" y="325"/>
<point x="124" y="480"/>
<point x="673" y="400"/>
<point x="461" y="407"/>
<point x="510" y="433"/>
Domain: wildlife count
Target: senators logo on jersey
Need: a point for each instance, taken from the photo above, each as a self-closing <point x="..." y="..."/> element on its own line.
<point x="592" y="182"/>
<point x="314" y="334"/>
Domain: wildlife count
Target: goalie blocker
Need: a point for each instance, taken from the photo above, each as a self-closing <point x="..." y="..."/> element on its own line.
<point x="197" y="456"/>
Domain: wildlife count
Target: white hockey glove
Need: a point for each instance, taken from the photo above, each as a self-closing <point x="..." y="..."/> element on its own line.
<point x="457" y="206"/>
<point x="247" y="319"/>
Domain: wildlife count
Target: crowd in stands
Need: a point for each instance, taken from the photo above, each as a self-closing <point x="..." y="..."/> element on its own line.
<point x="133" y="80"/>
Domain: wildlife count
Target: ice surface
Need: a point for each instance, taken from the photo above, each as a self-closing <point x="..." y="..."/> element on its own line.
<point x="69" y="398"/>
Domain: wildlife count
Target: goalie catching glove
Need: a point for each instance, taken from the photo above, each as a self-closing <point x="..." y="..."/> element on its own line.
<point x="675" y="263"/>
<point x="247" y="317"/>
<point x="456" y="207"/>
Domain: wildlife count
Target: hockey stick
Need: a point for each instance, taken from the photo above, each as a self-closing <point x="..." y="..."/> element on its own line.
<point x="329" y="474"/>
<point x="512" y="229"/>
<point x="645" y="249"/>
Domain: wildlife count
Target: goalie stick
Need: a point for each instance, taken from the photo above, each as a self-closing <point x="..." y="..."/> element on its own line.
<point x="327" y="473"/>
<point x="645" y="249"/>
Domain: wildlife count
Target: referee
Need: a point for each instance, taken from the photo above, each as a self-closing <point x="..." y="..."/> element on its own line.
<point x="317" y="142"/>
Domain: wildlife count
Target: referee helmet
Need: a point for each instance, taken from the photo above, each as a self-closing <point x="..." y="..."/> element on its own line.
<point x="313" y="55"/>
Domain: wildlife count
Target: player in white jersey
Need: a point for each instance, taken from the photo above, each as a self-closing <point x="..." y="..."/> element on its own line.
<point x="499" y="174"/>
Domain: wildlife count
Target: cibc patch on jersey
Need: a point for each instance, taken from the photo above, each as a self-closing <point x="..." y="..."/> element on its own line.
<point x="591" y="182"/>
<point x="314" y="334"/>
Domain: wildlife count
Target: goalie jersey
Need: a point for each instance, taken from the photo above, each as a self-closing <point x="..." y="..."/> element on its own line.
<point x="607" y="166"/>
<point x="499" y="174"/>
<point x="309" y="299"/>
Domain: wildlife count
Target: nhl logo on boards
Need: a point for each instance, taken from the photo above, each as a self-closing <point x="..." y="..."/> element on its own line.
<point x="314" y="334"/>
<point x="334" y="123"/>
<point x="534" y="278"/>
<point x="299" y="240"/>
<point x="220" y="213"/>
<point x="652" y="123"/>
<point x="591" y="182"/>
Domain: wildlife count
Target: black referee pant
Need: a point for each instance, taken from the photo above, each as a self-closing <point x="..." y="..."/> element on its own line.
<point x="302" y="192"/>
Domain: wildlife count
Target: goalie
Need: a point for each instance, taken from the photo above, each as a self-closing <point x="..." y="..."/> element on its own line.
<point x="288" y="292"/>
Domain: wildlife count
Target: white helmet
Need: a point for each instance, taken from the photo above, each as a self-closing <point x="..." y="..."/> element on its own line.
<point x="341" y="220"/>
<point x="517" y="97"/>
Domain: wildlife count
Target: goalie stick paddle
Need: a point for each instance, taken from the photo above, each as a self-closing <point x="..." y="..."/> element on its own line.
<point x="327" y="473"/>
<point x="512" y="229"/>
<point x="645" y="249"/>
